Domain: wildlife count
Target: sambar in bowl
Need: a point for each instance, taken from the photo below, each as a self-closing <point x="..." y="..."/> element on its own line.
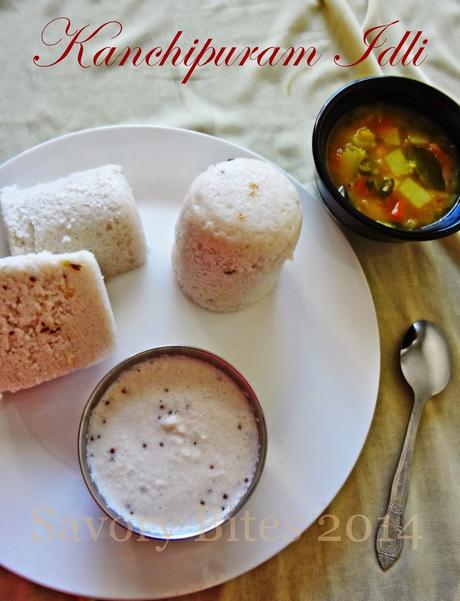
<point x="386" y="152"/>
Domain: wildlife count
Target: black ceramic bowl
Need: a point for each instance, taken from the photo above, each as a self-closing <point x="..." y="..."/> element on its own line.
<point x="426" y="100"/>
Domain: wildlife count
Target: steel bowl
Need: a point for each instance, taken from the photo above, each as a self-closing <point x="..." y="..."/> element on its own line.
<point x="110" y="378"/>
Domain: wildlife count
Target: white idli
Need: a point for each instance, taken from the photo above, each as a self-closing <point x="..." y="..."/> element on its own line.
<point x="240" y="221"/>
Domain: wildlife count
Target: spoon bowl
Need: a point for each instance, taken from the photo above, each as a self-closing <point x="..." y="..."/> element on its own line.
<point x="425" y="359"/>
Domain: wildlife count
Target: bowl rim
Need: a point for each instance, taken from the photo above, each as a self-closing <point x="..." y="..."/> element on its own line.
<point x="430" y="231"/>
<point x="110" y="377"/>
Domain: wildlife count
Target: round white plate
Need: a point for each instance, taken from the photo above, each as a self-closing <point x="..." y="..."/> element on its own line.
<point x="310" y="350"/>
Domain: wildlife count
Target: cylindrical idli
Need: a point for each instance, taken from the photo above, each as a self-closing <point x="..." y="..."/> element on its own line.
<point x="87" y="210"/>
<point x="240" y="221"/>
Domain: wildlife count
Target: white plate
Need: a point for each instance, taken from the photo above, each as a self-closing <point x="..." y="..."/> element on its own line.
<point x="310" y="349"/>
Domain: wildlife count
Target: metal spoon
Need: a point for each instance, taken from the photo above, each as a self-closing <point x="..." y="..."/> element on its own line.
<point x="426" y="365"/>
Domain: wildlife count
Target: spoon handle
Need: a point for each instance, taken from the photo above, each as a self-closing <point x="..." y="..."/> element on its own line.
<point x="389" y="542"/>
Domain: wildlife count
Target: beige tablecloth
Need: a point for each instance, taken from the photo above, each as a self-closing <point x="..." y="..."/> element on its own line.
<point x="271" y="111"/>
